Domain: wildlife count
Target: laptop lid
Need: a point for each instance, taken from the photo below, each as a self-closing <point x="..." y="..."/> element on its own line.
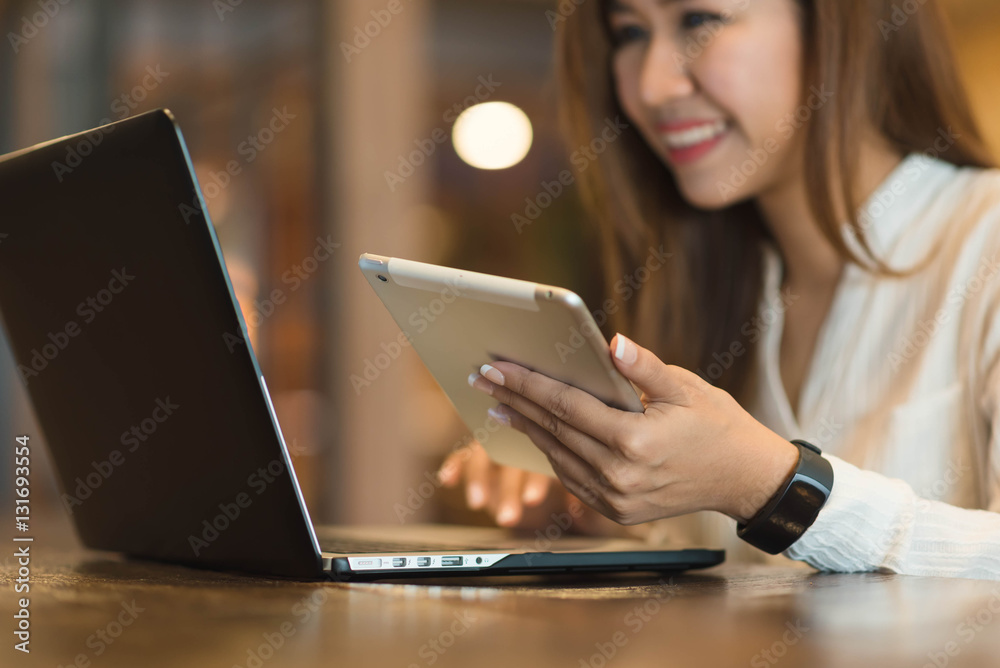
<point x="127" y="334"/>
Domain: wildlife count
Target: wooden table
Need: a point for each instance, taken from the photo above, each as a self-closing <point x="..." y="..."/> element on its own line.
<point x="96" y="609"/>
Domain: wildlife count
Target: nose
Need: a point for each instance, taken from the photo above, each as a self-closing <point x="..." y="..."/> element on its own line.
<point x="665" y="74"/>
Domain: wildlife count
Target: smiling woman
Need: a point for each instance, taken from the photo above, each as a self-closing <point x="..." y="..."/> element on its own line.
<point x="804" y="167"/>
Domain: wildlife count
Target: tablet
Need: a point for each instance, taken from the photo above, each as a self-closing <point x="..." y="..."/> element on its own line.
<point x="458" y="320"/>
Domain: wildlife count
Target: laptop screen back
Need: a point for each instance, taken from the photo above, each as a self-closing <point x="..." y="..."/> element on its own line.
<point x="125" y="330"/>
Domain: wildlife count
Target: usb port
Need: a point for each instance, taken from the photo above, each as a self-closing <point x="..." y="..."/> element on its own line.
<point x="451" y="561"/>
<point x="423" y="561"/>
<point x="398" y="562"/>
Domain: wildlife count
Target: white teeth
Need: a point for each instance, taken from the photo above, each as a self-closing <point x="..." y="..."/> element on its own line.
<point x="694" y="136"/>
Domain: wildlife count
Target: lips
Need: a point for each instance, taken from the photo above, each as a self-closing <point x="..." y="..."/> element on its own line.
<point x="688" y="134"/>
<point x="688" y="140"/>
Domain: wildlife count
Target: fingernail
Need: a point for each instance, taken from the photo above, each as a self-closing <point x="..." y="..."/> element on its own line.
<point x="476" y="381"/>
<point x="499" y="416"/>
<point x="506" y="515"/>
<point x="626" y="351"/>
<point x="475" y="497"/>
<point x="532" y="494"/>
<point x="446" y="474"/>
<point x="493" y="375"/>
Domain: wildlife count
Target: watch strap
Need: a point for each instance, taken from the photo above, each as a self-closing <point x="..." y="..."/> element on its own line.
<point x="795" y="506"/>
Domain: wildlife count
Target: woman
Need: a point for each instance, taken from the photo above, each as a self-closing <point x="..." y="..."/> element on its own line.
<point x="814" y="170"/>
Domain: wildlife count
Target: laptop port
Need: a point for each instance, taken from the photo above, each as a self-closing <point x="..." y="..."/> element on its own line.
<point x="451" y="561"/>
<point x="423" y="561"/>
<point x="398" y="562"/>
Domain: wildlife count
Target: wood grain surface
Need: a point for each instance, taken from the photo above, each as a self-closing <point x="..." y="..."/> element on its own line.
<point x="97" y="609"/>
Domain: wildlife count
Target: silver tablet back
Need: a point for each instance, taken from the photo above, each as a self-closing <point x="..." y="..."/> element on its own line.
<point x="458" y="320"/>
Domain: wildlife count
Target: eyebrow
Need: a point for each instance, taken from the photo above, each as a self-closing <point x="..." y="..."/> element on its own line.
<point x="617" y="6"/>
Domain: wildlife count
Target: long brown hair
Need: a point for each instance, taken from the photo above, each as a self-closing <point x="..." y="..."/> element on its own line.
<point x="898" y="79"/>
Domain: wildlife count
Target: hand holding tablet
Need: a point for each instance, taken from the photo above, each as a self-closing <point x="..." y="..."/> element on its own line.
<point x="686" y="446"/>
<point x="458" y="320"/>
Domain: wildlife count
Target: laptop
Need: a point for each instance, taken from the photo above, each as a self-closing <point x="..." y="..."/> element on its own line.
<point x="126" y="332"/>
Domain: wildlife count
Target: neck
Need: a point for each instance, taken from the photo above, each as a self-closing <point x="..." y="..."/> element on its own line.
<point x="812" y="264"/>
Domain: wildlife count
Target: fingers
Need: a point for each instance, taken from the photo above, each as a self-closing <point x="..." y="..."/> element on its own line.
<point x="591" y="522"/>
<point x="500" y="490"/>
<point x="588" y="448"/>
<point x="450" y="473"/>
<point x="509" y="482"/>
<point x="576" y="474"/>
<point x="536" y="488"/>
<point x="659" y="382"/>
<point x="477" y="478"/>
<point x="472" y="464"/>
<point x="508" y="382"/>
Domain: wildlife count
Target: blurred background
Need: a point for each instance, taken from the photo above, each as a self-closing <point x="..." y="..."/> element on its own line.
<point x="366" y="102"/>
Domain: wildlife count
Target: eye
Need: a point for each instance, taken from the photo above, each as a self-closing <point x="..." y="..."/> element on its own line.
<point x="625" y="34"/>
<point x="692" y="20"/>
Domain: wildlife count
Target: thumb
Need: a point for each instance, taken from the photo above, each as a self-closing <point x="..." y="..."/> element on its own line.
<point x="658" y="381"/>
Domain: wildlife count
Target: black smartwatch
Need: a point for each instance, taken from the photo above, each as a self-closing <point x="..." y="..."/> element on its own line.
<point x="794" y="508"/>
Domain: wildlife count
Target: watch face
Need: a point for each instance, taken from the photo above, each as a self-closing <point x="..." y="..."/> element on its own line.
<point x="803" y="501"/>
<point x="794" y="508"/>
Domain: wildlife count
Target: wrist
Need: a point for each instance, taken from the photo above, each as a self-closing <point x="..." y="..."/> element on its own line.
<point x="795" y="506"/>
<point x="766" y="469"/>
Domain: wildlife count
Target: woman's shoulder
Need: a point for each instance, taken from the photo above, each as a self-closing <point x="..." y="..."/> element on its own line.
<point x="956" y="207"/>
<point x="982" y="180"/>
<point x="977" y="205"/>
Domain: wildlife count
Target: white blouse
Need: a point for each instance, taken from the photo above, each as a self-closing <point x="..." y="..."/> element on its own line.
<point x="903" y="391"/>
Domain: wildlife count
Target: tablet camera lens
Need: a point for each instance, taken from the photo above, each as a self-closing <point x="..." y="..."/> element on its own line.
<point x="549" y="294"/>
<point x="382" y="278"/>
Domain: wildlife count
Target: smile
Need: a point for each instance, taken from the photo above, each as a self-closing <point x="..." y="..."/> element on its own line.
<point x="690" y="143"/>
<point x="694" y="136"/>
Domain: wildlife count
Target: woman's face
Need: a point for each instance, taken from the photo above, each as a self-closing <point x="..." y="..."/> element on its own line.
<point x="714" y="86"/>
